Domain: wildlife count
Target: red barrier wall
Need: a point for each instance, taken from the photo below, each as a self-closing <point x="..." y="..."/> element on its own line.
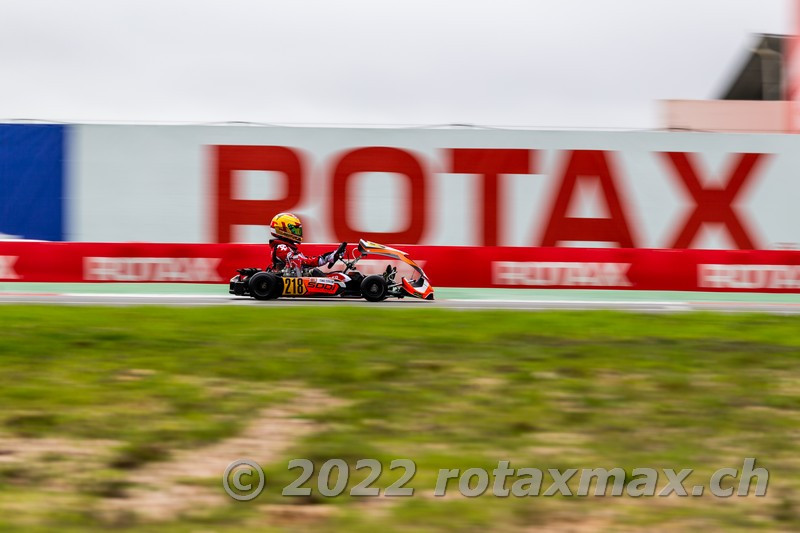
<point x="456" y="266"/>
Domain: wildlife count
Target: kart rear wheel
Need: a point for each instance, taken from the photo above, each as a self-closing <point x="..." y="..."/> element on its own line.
<point x="264" y="286"/>
<point x="374" y="288"/>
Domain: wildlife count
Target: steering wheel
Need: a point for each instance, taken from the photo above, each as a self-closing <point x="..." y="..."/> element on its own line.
<point x="338" y="254"/>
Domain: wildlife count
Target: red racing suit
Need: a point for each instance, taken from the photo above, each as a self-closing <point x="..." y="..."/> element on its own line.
<point x="286" y="253"/>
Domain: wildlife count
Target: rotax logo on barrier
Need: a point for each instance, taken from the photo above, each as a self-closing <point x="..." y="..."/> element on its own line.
<point x="151" y="269"/>
<point x="560" y="274"/>
<point x="706" y="200"/>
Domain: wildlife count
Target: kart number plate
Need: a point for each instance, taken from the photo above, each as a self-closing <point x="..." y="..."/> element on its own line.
<point x="294" y="287"/>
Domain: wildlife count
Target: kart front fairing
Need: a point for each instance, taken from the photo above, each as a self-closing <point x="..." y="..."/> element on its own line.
<point x="419" y="287"/>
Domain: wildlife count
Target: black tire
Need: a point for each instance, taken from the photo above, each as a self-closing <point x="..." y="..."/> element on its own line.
<point x="374" y="288"/>
<point x="264" y="286"/>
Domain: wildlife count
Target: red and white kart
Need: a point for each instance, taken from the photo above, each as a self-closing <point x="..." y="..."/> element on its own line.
<point x="347" y="282"/>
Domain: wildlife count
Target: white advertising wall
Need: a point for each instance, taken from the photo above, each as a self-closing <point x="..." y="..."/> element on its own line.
<point x="197" y="184"/>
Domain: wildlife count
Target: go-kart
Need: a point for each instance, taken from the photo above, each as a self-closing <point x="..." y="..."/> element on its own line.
<point x="346" y="282"/>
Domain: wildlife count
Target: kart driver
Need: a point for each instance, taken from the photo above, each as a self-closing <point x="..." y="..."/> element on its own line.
<point x="288" y="233"/>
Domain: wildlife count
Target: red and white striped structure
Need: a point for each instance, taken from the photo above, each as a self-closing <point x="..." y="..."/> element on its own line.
<point x="792" y="71"/>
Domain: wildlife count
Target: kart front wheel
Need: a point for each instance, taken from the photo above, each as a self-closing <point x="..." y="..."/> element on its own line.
<point x="264" y="286"/>
<point x="374" y="288"/>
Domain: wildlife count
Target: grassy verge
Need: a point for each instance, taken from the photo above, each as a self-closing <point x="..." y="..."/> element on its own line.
<point x="104" y="393"/>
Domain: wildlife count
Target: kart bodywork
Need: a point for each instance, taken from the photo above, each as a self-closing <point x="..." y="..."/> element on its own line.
<point x="347" y="282"/>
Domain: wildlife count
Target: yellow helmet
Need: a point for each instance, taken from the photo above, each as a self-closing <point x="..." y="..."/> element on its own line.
<point x="287" y="226"/>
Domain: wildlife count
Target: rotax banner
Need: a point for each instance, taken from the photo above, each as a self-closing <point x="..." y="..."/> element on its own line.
<point x="446" y="266"/>
<point x="479" y="207"/>
<point x="442" y="187"/>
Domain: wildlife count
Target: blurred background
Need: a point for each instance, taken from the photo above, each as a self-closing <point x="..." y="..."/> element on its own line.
<point x="567" y="64"/>
<point x="603" y="194"/>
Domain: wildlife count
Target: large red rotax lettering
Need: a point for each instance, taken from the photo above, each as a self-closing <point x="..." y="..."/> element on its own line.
<point x="713" y="205"/>
<point x="490" y="163"/>
<point x="594" y="165"/>
<point x="379" y="159"/>
<point x="230" y="211"/>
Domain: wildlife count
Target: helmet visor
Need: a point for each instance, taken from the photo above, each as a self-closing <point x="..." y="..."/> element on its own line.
<point x="295" y="229"/>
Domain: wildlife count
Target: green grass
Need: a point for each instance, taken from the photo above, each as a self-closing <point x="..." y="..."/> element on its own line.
<point x="447" y="389"/>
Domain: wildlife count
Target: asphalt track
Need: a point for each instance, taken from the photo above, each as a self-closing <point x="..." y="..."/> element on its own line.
<point x="461" y="299"/>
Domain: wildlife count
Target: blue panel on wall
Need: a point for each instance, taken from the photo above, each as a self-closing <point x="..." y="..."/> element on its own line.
<point x="32" y="181"/>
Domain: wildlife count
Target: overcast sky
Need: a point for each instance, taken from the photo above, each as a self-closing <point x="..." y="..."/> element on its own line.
<point x="538" y="63"/>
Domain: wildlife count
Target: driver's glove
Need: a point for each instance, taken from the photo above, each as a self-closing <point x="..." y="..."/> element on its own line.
<point x="327" y="258"/>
